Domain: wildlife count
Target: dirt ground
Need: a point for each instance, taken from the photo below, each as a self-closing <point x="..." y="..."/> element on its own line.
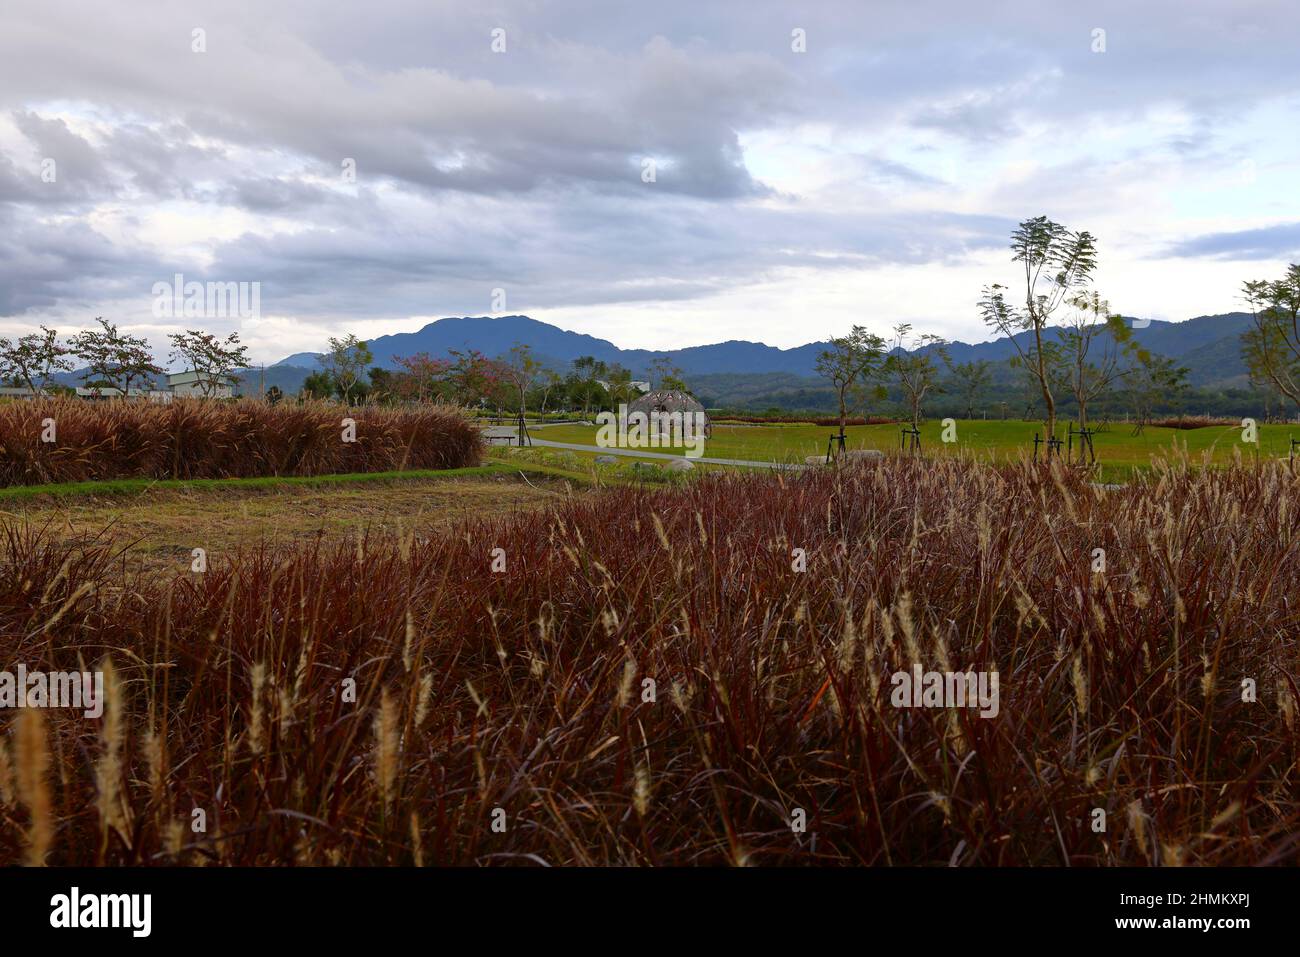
<point x="159" y="528"/>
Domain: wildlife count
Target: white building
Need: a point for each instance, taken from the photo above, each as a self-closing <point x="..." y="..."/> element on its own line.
<point x="191" y="383"/>
<point x="187" y="384"/>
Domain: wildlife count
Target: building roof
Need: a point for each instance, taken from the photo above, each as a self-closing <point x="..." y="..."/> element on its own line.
<point x="190" y="375"/>
<point x="639" y="384"/>
<point x="666" y="400"/>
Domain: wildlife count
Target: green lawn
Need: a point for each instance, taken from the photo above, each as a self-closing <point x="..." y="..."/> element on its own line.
<point x="1117" y="449"/>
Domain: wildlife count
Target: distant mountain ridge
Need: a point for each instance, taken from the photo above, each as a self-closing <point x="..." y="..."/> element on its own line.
<point x="494" y="335"/>
<point x="1208" y="345"/>
<point x="739" y="373"/>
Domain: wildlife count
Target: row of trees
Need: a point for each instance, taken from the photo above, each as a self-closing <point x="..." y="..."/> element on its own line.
<point x="514" y="381"/>
<point x="112" y="359"/>
<point x="1085" y="356"/>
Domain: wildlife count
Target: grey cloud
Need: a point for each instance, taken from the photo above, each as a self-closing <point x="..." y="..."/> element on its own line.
<point x="523" y="169"/>
<point x="579" y="252"/>
<point x="52" y="138"/>
<point x="1270" y="242"/>
<point x="68" y="265"/>
<point x="882" y="169"/>
<point x="271" y="194"/>
<point x="128" y="159"/>
<point x="425" y="125"/>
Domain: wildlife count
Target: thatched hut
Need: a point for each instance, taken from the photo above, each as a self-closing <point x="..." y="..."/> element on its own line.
<point x="671" y="409"/>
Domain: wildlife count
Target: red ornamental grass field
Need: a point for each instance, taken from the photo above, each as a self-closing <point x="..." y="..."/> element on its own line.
<point x="195" y="438"/>
<point x="647" y="679"/>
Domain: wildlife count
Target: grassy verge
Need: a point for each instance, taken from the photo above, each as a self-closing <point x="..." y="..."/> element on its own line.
<point x="138" y="486"/>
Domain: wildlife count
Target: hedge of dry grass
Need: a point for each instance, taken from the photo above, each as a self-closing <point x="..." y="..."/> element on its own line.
<point x="196" y="438"/>
<point x="1186" y="422"/>
<point x="823" y="420"/>
<point x="525" y="690"/>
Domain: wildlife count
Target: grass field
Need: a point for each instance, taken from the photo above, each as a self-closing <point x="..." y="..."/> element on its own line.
<point x="520" y="694"/>
<point x="521" y="690"/>
<point x="156" y="525"/>
<point x="1118" y="450"/>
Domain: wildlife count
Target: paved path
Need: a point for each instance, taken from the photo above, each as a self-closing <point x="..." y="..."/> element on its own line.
<point x="637" y="453"/>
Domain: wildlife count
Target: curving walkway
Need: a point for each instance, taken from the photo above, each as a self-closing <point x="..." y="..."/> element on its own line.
<point x="641" y="454"/>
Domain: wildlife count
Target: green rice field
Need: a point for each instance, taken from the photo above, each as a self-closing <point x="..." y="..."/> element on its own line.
<point x="1118" y="450"/>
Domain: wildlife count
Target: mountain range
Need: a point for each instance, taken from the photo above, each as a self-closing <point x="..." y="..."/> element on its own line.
<point x="740" y="374"/>
<point x="558" y="347"/>
<point x="1209" y="346"/>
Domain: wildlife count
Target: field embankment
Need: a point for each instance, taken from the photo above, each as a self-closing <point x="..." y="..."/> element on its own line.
<point x="649" y="677"/>
<point x="69" y="440"/>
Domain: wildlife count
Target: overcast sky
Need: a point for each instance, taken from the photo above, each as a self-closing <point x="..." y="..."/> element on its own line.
<point x="872" y="178"/>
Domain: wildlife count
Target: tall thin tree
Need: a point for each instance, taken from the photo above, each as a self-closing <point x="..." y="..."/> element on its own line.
<point x="1057" y="263"/>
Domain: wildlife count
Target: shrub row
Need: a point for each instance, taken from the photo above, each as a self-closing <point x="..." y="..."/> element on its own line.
<point x="195" y="438"/>
<point x="1194" y="421"/>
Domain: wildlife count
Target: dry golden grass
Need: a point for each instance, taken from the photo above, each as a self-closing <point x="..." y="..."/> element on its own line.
<point x="162" y="527"/>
